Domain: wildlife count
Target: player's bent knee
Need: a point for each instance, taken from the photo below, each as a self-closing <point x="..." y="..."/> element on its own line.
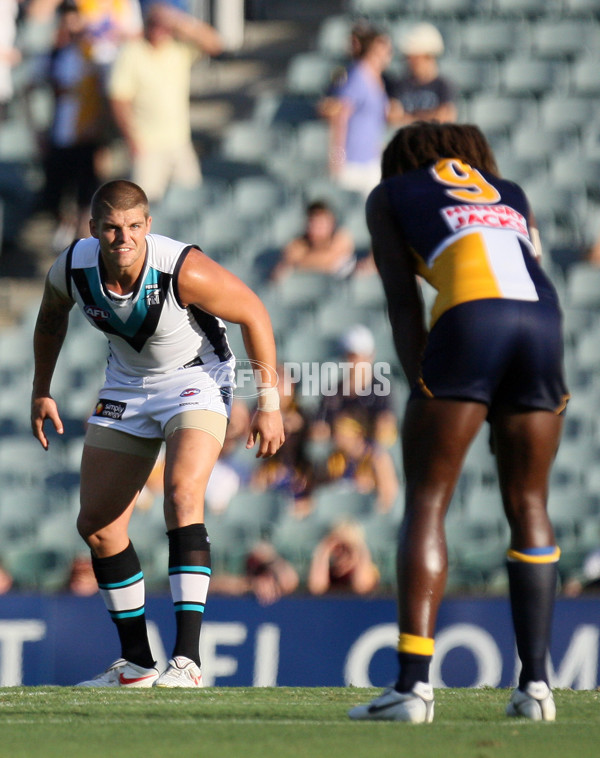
<point x="184" y="505"/>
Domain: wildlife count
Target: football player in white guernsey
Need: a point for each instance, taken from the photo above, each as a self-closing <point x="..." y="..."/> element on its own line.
<point x="169" y="377"/>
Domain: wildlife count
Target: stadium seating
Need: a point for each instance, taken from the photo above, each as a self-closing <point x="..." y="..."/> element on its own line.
<point x="588" y="9"/>
<point x="255" y="512"/>
<point x="333" y="39"/>
<point x="44" y="569"/>
<point x="295" y="539"/>
<point x="523" y="8"/>
<point x="303" y="288"/>
<point x="307" y="347"/>
<point x="564" y="39"/>
<point x="339" y="501"/>
<point x="255" y="198"/>
<point x="522" y="76"/>
<point x="447" y="9"/>
<point x="527" y="72"/>
<point x="583" y="286"/>
<point x="230" y="544"/>
<point x="584" y="77"/>
<point x="558" y="113"/>
<point x="246" y="141"/>
<point x="381" y="535"/>
<point x="377" y="8"/>
<point x="490" y="40"/>
<point x="497" y="114"/>
<point x="333" y="316"/>
<point x="309" y="74"/>
<point x="17" y="141"/>
<point x="471" y="76"/>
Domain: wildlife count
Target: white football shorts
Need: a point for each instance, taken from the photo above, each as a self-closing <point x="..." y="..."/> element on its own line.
<point x="143" y="406"/>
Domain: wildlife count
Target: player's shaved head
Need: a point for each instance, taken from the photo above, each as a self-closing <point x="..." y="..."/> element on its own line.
<point x="118" y="194"/>
<point x="424" y="142"/>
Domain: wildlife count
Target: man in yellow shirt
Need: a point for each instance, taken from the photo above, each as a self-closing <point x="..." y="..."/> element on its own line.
<point x="149" y="91"/>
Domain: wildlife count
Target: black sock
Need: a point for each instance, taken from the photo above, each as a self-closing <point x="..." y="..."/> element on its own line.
<point x="413" y="668"/>
<point x="532" y="595"/>
<point x="121" y="584"/>
<point x="189" y="577"/>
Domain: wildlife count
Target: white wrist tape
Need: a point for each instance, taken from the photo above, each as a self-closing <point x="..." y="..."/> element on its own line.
<point x="268" y="399"/>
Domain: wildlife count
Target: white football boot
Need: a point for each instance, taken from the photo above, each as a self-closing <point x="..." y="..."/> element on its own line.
<point x="122" y="673"/>
<point x="181" y="672"/>
<point x="535" y="702"/>
<point x="415" y="706"/>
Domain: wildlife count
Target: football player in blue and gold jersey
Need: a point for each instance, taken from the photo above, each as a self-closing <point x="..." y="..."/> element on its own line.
<point x="493" y="351"/>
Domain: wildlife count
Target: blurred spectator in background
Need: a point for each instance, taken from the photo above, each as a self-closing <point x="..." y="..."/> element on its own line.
<point x="592" y="255"/>
<point x="76" y="131"/>
<point x="9" y="54"/>
<point x="323" y="246"/>
<point x="360" y="390"/>
<point x="342" y="562"/>
<point x="357" y="110"/>
<point x="183" y="5"/>
<point x="361" y="33"/>
<point x="290" y="469"/>
<point x="588" y="579"/>
<point x="82" y="580"/>
<point x="364" y="464"/>
<point x="421" y="94"/>
<point x="109" y="23"/>
<point x="268" y="576"/>
<point x="152" y="492"/>
<point x="149" y="91"/>
<point x="231" y="472"/>
<point x="6" y="580"/>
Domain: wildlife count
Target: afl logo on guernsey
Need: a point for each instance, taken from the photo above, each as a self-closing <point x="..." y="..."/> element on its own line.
<point x="190" y="392"/>
<point x="97" y="313"/>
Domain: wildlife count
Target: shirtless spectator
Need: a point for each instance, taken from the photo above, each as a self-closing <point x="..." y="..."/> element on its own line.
<point x="323" y="246"/>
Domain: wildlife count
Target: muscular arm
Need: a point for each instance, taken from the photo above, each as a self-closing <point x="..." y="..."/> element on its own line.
<point x="204" y="283"/>
<point x="48" y="338"/>
<point x="396" y="268"/>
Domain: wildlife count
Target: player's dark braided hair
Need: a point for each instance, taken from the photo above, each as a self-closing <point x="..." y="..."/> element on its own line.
<point x="425" y="142"/>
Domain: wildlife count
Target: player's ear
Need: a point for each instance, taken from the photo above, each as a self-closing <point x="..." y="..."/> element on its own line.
<point x="149" y="224"/>
<point x="93" y="229"/>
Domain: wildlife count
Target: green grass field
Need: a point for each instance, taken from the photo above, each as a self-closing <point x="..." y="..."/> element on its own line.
<point x="54" y="722"/>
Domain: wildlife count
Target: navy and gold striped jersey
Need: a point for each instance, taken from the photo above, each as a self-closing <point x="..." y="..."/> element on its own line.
<point x="469" y="232"/>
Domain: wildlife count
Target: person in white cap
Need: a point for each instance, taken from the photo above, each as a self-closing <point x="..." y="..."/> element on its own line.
<point x="421" y="94"/>
<point x="365" y="390"/>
